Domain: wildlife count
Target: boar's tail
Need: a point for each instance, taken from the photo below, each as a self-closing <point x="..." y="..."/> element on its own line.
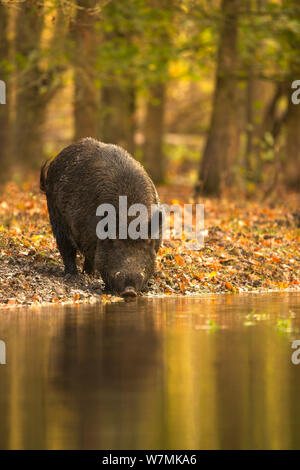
<point x="43" y="175"/>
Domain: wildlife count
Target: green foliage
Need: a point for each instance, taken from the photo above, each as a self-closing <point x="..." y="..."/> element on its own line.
<point x="153" y="41"/>
<point x="135" y="41"/>
<point x="270" y="37"/>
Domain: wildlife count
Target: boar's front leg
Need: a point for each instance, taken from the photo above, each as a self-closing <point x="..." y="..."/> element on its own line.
<point x="88" y="250"/>
<point x="88" y="266"/>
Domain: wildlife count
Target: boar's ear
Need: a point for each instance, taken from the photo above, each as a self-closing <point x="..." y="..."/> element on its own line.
<point x="155" y="226"/>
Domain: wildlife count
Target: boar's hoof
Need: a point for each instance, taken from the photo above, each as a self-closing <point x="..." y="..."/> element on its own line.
<point x="71" y="276"/>
<point x="129" y="294"/>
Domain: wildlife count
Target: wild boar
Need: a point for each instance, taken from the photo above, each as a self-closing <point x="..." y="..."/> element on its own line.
<point x="82" y="177"/>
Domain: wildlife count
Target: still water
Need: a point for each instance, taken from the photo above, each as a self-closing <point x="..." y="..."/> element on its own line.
<point x="175" y="373"/>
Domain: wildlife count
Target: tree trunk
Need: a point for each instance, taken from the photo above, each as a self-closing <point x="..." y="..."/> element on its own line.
<point x="4" y="108"/>
<point x="153" y="156"/>
<point x="118" y="109"/>
<point x="292" y="120"/>
<point x="250" y="91"/>
<point x="222" y="146"/>
<point x="86" y="93"/>
<point x="249" y="120"/>
<point x="30" y="109"/>
<point x="271" y="120"/>
<point x="35" y="86"/>
<point x="292" y="146"/>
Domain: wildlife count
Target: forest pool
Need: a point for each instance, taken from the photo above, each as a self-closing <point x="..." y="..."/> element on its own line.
<point x="211" y="372"/>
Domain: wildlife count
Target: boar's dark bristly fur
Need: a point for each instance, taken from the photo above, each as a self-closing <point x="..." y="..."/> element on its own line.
<point x="81" y="177"/>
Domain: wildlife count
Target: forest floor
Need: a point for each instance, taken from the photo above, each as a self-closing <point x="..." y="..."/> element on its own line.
<point x="249" y="246"/>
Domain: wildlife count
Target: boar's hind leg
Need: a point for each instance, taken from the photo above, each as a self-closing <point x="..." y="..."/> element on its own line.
<point x="64" y="243"/>
<point x="68" y="253"/>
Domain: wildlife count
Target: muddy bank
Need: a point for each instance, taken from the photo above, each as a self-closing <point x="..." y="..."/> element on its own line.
<point x="248" y="247"/>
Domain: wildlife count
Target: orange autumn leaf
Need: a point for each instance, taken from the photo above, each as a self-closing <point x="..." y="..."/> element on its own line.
<point x="182" y="287"/>
<point x="179" y="260"/>
<point x="229" y="286"/>
<point x="275" y="259"/>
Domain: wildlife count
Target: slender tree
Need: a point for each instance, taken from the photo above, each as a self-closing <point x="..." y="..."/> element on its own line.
<point x="4" y="108"/>
<point x="153" y="156"/>
<point x="118" y="91"/>
<point x="161" y="45"/>
<point x="30" y="99"/>
<point x="86" y="94"/>
<point x="292" y="146"/>
<point x="35" y="84"/>
<point x="222" y="144"/>
<point x="292" y="121"/>
<point x="118" y="114"/>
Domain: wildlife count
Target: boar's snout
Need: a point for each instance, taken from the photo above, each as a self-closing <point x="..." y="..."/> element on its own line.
<point x="128" y="284"/>
<point x="129" y="293"/>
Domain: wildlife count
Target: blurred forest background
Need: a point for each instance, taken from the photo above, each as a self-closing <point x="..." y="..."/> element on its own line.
<point x="198" y="90"/>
